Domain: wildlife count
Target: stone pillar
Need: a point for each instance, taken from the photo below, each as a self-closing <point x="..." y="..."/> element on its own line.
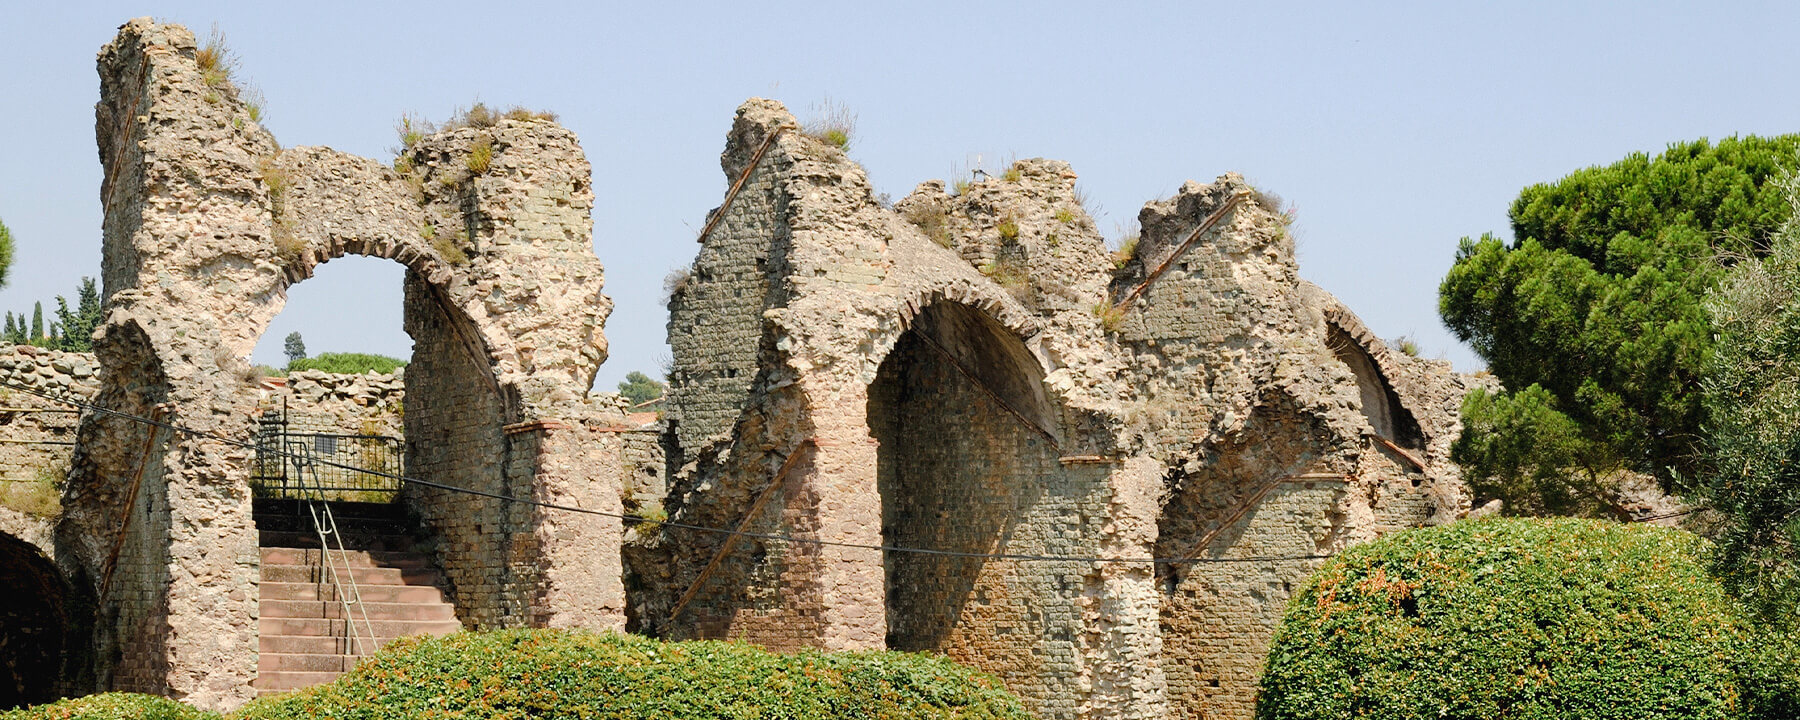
<point x="841" y="486"/>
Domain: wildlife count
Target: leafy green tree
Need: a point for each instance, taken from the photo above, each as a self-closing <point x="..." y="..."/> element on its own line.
<point x="1596" y="303"/>
<point x="1751" y="454"/>
<point x="6" y="254"/>
<point x="640" y="388"/>
<point x="294" y="347"/>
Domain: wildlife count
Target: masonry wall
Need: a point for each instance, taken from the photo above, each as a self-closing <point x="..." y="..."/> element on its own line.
<point x="960" y="472"/>
<point x="37" y="436"/>
<point x="454" y="417"/>
<point x="716" y="326"/>
<point x="1271" y="492"/>
<point x="116" y="523"/>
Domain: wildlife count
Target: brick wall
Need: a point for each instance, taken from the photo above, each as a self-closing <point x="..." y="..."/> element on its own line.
<point x="960" y="472"/>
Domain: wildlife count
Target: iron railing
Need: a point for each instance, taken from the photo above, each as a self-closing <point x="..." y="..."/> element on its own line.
<point x="343" y="466"/>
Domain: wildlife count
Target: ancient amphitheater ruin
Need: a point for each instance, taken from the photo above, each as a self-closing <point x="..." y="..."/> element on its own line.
<point x="967" y="374"/>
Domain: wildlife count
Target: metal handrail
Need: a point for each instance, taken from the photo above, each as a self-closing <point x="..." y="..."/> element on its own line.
<point x="325" y="526"/>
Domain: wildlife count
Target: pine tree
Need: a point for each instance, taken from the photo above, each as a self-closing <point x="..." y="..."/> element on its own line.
<point x="1592" y="317"/>
<point x="294" y="347"/>
<point x="37" y="323"/>
<point x="11" y="327"/>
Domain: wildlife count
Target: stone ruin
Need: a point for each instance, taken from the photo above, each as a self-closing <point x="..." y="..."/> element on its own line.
<point x="970" y="372"/>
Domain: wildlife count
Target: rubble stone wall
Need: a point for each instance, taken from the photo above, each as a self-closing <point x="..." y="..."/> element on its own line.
<point x="37" y="436"/>
<point x="208" y="222"/>
<point x="1200" y="404"/>
<point x="1164" y="448"/>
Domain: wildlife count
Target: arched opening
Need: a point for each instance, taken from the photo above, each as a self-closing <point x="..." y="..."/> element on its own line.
<point x="1381" y="405"/>
<point x="35" y="627"/>
<point x="1263" y="492"/>
<point x="412" y="560"/>
<point x="968" y="463"/>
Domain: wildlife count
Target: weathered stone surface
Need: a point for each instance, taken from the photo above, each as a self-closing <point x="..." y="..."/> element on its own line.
<point x="969" y="373"/>
<point x="965" y="373"/>
<point x="208" y="222"/>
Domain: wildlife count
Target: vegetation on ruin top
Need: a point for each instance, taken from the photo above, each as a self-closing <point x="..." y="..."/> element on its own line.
<point x="348" y="363"/>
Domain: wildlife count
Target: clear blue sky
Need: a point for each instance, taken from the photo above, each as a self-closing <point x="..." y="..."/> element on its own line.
<point x="1395" y="130"/>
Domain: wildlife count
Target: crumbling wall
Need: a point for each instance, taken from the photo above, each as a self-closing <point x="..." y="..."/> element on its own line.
<point x="822" y="418"/>
<point x="1201" y="400"/>
<point x="38" y="434"/>
<point x="208" y="222"/>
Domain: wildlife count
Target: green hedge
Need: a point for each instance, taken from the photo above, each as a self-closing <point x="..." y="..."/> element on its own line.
<point x="550" y="673"/>
<point x="349" y="363"/>
<point x="111" y="706"/>
<point x="1521" y="619"/>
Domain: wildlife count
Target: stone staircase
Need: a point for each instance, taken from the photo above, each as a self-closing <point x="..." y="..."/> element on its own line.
<point x="304" y="636"/>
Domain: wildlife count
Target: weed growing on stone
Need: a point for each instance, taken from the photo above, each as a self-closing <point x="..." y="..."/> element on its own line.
<point x="281" y="229"/>
<point x="832" y="123"/>
<point x="1269" y="201"/>
<point x="1406" y="344"/>
<point x="1127" y="250"/>
<point x="962" y="187"/>
<point x="933" y="219"/>
<point x="481" y="155"/>
<point x="1012" y="174"/>
<point x="216" y="60"/>
<point x="675" y="283"/>
<point x="1009" y="229"/>
<point x="1007" y="273"/>
<point x="1065" y="216"/>
<point x="1112" y="317"/>
<point x="451" y="249"/>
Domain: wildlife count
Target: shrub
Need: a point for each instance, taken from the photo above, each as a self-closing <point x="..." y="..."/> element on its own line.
<point x="555" y="673"/>
<point x="111" y="706"/>
<point x="348" y="363"/>
<point x="1509" y="618"/>
<point x="933" y="219"/>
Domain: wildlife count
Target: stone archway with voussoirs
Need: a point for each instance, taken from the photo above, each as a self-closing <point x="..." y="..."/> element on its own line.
<point x="208" y="222"/>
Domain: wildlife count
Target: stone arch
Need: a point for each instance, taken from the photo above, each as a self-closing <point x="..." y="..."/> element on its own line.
<point x="39" y="629"/>
<point x="1381" y="406"/>
<point x="1269" y="489"/>
<point x="208" y="222"/>
<point x="968" y="461"/>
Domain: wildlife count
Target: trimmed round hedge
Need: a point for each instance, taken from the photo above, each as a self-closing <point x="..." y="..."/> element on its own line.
<point x="110" y="706"/>
<point x="1524" y="619"/>
<point x="560" y="674"/>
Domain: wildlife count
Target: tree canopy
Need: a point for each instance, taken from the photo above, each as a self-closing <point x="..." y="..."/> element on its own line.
<point x="6" y="254"/>
<point x="1751" y="453"/>
<point x="1596" y="303"/>
<point x="640" y="388"/>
